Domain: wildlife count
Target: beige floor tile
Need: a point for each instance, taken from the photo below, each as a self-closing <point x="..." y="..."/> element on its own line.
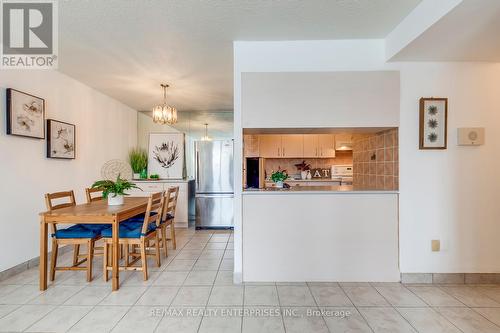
<point x="492" y="314"/>
<point x="398" y="295"/>
<point x="176" y="323"/>
<point x="207" y="265"/>
<point x="22" y="295"/>
<point x="364" y="296"/>
<point x="261" y="295"/>
<point x="167" y="278"/>
<point x="124" y="296"/>
<point x="299" y="320"/>
<point x="137" y="279"/>
<point x="470" y="296"/>
<point x="180" y="265"/>
<point x="100" y="319"/>
<point x="200" y="278"/>
<point x="216" y="246"/>
<point x="295" y="296"/>
<point x="8" y="288"/>
<point x="189" y="254"/>
<point x="263" y="320"/>
<point x="192" y="296"/>
<point x="329" y="296"/>
<point x="385" y="320"/>
<point x="138" y="319"/>
<point x="468" y="320"/>
<point x="211" y="254"/>
<point x="61" y="319"/>
<point x="227" y="265"/>
<point x="89" y="296"/>
<point x="427" y="320"/>
<point x="224" y="278"/>
<point x="56" y="295"/>
<point x="23" y="317"/>
<point x="434" y="296"/>
<point x="6" y="309"/>
<point x="160" y="296"/>
<point x="220" y="323"/>
<point x="344" y="319"/>
<point x="492" y="291"/>
<point x="226" y="296"/>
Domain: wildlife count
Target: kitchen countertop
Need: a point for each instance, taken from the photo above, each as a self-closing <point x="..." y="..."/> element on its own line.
<point x="162" y="180"/>
<point x="316" y="189"/>
<point x="338" y="179"/>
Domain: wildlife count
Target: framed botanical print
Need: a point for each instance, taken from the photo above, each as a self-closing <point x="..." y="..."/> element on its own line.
<point x="433" y="123"/>
<point x="61" y="139"/>
<point x="166" y="155"/>
<point x="25" y="114"/>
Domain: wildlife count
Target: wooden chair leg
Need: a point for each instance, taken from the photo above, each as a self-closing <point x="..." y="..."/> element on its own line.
<point x="157" y="252"/>
<point x="144" y="260"/>
<point x="76" y="252"/>
<point x="90" y="252"/>
<point x="164" y="240"/>
<point x="172" y="235"/>
<point x="105" y="257"/>
<point x="127" y="254"/>
<point x="53" y="261"/>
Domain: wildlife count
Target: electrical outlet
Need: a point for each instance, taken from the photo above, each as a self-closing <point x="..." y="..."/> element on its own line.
<point x="436" y="245"/>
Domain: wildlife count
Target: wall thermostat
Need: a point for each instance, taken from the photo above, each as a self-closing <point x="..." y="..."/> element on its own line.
<point x="473" y="136"/>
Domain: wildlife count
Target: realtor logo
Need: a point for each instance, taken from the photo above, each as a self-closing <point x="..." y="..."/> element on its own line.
<point x="29" y="34"/>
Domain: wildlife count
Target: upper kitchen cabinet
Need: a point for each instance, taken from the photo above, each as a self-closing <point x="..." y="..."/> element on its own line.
<point x="270" y="145"/>
<point x="311" y="145"/>
<point x="292" y="145"/>
<point x="251" y="145"/>
<point x="326" y="145"/>
<point x="343" y="142"/>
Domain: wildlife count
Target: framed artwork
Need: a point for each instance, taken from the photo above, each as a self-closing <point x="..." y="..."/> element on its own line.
<point x="25" y="114"/>
<point x="61" y="139"/>
<point x="166" y="155"/>
<point x="433" y="123"/>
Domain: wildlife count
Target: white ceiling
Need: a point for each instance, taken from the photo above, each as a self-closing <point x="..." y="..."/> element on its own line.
<point x="469" y="32"/>
<point x="126" y="48"/>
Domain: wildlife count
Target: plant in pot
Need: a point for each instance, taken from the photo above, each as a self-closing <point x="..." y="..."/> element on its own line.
<point x="278" y="177"/>
<point x="114" y="190"/>
<point x="304" y="169"/>
<point x="138" y="159"/>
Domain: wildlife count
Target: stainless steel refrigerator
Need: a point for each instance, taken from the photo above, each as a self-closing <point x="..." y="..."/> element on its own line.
<point x="214" y="184"/>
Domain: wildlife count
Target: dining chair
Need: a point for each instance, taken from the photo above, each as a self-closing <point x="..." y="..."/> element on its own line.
<point x="168" y="218"/>
<point x="133" y="234"/>
<point x="90" y="194"/>
<point x="76" y="235"/>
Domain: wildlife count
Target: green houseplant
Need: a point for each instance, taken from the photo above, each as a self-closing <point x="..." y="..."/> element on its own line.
<point x="138" y="159"/>
<point x="114" y="190"/>
<point x="278" y="177"/>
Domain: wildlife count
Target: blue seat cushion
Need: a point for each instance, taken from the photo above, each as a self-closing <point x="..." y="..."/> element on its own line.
<point x="129" y="230"/>
<point x="140" y="217"/>
<point x="76" y="231"/>
<point x="169" y="217"/>
<point x="96" y="227"/>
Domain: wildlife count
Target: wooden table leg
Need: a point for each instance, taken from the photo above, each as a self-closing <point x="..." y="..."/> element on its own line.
<point x="115" y="249"/>
<point x="43" y="253"/>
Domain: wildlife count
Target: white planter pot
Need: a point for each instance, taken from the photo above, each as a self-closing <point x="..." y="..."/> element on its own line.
<point x="279" y="184"/>
<point x="115" y="200"/>
<point x="303" y="175"/>
<point x="137" y="176"/>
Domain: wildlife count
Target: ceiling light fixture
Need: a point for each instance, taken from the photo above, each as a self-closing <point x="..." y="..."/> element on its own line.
<point x="163" y="113"/>
<point x="206" y="137"/>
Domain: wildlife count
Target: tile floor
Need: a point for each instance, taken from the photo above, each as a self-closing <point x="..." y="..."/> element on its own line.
<point x="193" y="291"/>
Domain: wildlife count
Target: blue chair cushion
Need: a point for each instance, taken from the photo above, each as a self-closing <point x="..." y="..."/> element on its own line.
<point x="169" y="217"/>
<point x="76" y="231"/>
<point x="129" y="230"/>
<point x="96" y="227"/>
<point x="140" y="217"/>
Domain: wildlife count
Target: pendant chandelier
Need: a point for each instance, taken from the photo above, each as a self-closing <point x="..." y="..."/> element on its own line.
<point x="206" y="137"/>
<point x="163" y="113"/>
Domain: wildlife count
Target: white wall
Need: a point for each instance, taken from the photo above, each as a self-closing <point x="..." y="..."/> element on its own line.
<point x="105" y="129"/>
<point x="448" y="195"/>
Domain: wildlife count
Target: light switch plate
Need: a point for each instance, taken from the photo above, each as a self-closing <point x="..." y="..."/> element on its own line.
<point x="436" y="245"/>
<point x="471" y="136"/>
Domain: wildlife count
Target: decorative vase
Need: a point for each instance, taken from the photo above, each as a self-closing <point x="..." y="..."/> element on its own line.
<point x="309" y="176"/>
<point x="303" y="174"/>
<point x="279" y="184"/>
<point x="137" y="176"/>
<point x="115" y="200"/>
<point x="144" y="174"/>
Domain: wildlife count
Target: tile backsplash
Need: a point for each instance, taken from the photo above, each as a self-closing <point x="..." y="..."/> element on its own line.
<point x="376" y="161"/>
<point x="341" y="157"/>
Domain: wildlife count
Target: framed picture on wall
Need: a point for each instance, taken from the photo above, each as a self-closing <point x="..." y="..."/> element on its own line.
<point x="433" y="123"/>
<point x="25" y="114"/>
<point x="61" y="139"/>
<point x="166" y="155"/>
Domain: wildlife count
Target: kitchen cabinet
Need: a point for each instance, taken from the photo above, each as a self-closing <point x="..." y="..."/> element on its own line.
<point x="270" y="145"/>
<point x="251" y="145"/>
<point x="326" y="145"/>
<point x="310" y="146"/>
<point x="343" y="142"/>
<point x="292" y="145"/>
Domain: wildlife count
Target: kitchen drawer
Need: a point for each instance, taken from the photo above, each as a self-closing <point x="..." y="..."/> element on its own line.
<point x="151" y="187"/>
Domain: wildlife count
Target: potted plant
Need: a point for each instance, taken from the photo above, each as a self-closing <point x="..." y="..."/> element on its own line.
<point x="278" y="177"/>
<point x="304" y="169"/>
<point x="138" y="159"/>
<point x="114" y="191"/>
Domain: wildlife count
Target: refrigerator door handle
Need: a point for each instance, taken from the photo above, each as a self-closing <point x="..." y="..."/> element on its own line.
<point x="197" y="169"/>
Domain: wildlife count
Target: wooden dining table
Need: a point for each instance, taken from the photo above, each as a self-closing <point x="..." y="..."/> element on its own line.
<point x="97" y="212"/>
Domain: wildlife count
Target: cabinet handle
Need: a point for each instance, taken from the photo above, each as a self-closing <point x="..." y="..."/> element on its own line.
<point x="283" y="152"/>
<point x="279" y="151"/>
